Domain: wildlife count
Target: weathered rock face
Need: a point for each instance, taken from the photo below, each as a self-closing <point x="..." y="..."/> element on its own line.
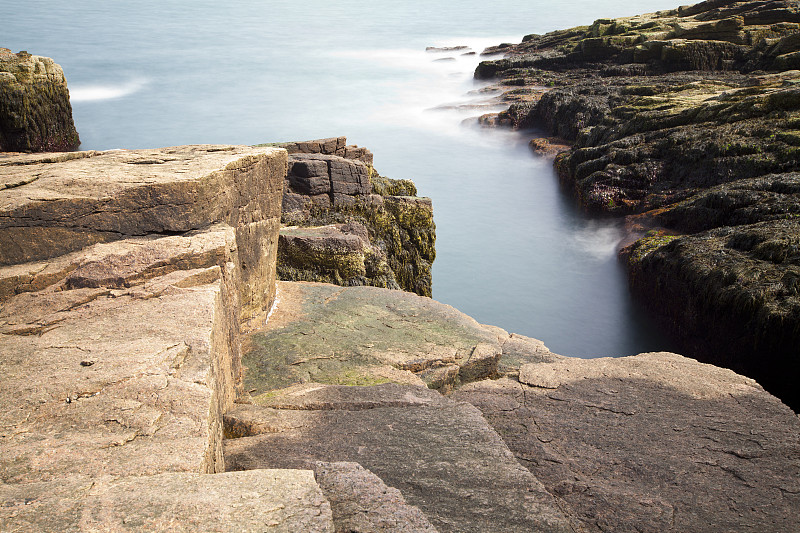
<point x="338" y="201"/>
<point x="35" y="111"/>
<point x="275" y="500"/>
<point x="655" y="442"/>
<point x="714" y="143"/>
<point x="55" y="204"/>
<point x="102" y="347"/>
<point x="731" y="295"/>
<point x="360" y="501"/>
<point x="442" y="456"/>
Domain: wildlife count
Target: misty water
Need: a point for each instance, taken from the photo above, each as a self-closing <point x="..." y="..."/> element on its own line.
<point x="512" y="249"/>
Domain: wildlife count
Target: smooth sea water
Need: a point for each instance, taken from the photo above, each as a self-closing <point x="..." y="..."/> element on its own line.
<point x="512" y="249"/>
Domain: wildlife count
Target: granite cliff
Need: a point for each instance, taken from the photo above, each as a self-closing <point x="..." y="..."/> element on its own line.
<point x="686" y="122"/>
<point x="144" y="391"/>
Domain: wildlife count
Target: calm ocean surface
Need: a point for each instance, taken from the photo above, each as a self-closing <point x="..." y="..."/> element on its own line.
<point x="512" y="250"/>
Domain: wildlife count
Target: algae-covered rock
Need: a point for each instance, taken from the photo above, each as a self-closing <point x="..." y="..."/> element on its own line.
<point x="35" y="111"/>
<point x="684" y="120"/>
<point x="365" y="336"/>
<point x="731" y="296"/>
<point x="327" y="194"/>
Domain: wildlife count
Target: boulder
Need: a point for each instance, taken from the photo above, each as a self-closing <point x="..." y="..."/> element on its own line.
<point x="35" y="111"/>
<point x="334" y="254"/>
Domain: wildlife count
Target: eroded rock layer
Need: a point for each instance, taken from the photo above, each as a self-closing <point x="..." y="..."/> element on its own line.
<point x="53" y="204"/>
<point x="687" y="119"/>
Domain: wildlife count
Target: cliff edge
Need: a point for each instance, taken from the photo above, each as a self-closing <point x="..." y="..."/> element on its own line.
<point x="145" y="390"/>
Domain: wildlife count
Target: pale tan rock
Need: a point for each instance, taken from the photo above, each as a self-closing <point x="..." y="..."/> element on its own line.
<point x="130" y="375"/>
<point x="254" y="501"/>
<point x="686" y="375"/>
<point x="54" y="204"/>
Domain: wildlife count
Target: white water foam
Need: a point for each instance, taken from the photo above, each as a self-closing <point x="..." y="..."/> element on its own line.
<point x="598" y="239"/>
<point x="98" y="92"/>
<point x="439" y="92"/>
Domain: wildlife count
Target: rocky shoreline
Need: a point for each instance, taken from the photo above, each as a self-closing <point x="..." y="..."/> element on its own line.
<point x="158" y="376"/>
<point x="685" y="122"/>
<point x="35" y="111"/>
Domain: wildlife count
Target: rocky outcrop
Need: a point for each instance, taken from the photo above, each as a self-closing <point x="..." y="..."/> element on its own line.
<point x="332" y="146"/>
<point x="125" y="400"/>
<point x="56" y="204"/>
<point x="368" y="335"/>
<point x="350" y="226"/>
<point x="35" y="111"/>
<point x="127" y="278"/>
<point x="675" y="123"/>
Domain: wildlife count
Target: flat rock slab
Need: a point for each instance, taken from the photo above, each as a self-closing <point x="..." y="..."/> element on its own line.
<point x="259" y="500"/>
<point x="655" y="442"/>
<point x="360" y="501"/>
<point x="79" y="198"/>
<point x="366" y="335"/>
<point x="442" y="456"/>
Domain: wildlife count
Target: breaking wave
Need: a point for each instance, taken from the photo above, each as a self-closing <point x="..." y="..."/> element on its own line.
<point x="97" y="92"/>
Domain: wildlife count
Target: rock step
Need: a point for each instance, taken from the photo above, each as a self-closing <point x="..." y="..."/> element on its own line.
<point x="652" y="443"/>
<point x="442" y="456"/>
<point x="287" y="501"/>
<point x="360" y="501"/>
<point x="119" y="359"/>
